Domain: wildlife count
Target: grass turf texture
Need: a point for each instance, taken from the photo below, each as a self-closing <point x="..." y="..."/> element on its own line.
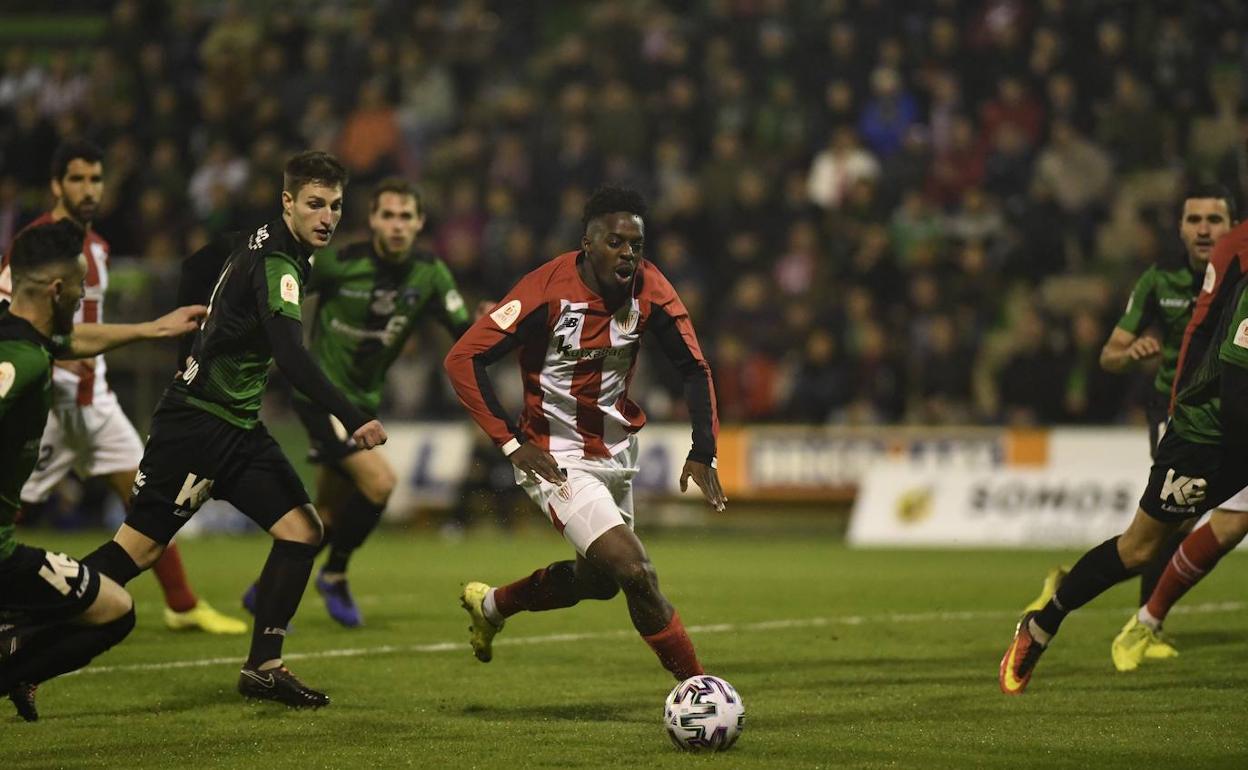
<point x="844" y="658"/>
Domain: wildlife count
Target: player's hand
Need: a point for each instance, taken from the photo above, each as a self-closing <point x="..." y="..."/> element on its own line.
<point x="707" y="479"/>
<point x="1143" y="348"/>
<point x="369" y="435"/>
<point x="183" y="320"/>
<point x="483" y="307"/>
<point x="535" y="461"/>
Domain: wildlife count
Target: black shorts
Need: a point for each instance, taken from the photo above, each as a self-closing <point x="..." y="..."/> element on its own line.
<point x="328" y="439"/>
<point x="37" y="587"/>
<point x="1157" y="411"/>
<point x="193" y="456"/>
<point x="1188" y="479"/>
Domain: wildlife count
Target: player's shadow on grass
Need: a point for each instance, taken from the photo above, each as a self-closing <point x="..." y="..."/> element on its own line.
<point x="572" y="712"/>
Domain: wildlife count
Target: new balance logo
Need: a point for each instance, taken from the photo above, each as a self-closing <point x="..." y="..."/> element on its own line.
<point x="1183" y="490"/>
<point x="195" y="491"/>
<point x="192" y="369"/>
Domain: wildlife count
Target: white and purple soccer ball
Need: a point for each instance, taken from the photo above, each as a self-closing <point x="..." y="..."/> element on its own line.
<point x="704" y="713"/>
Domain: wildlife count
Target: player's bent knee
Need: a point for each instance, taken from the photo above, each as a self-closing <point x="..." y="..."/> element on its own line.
<point x="142" y="549"/>
<point x="112" y="602"/>
<point x="301" y="525"/>
<point x="637" y="577"/>
<point x="378" y="487"/>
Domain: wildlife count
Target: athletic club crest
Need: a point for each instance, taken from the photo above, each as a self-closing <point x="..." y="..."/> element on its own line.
<point x="627" y="321"/>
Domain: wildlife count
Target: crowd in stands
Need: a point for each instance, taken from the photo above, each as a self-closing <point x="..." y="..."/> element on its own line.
<point x="877" y="211"/>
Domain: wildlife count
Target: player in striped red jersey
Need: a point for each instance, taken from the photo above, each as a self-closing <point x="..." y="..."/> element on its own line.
<point x="577" y="322"/>
<point x="86" y="430"/>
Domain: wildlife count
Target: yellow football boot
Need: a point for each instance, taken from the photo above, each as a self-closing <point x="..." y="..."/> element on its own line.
<point x="203" y="617"/>
<point x="472" y="599"/>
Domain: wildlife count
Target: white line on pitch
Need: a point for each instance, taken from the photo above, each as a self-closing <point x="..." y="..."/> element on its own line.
<point x="765" y="625"/>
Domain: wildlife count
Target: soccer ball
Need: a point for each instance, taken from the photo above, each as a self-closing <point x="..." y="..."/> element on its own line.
<point x="704" y="713"/>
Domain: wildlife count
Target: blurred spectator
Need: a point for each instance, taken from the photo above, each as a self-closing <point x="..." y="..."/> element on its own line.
<point x="368" y="144"/>
<point x="838" y="167"/>
<point x="888" y="114"/>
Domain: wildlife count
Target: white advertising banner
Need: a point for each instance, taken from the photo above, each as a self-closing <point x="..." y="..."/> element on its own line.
<point x="1074" y="506"/>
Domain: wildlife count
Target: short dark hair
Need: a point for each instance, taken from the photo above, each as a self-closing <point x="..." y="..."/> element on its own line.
<point x="608" y="199"/>
<point x="75" y="149"/>
<point x="38" y="247"/>
<point x="313" y="166"/>
<point x="1209" y="190"/>
<point x="399" y="186"/>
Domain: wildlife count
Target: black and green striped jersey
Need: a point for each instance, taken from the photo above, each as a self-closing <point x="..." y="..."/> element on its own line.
<point x="1197" y="414"/>
<point x="25" y="398"/>
<point x="228" y="368"/>
<point x="1164" y="297"/>
<point x="367" y="308"/>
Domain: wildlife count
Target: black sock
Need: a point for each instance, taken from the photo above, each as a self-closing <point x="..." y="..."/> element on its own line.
<point x="356" y="521"/>
<point x="112" y="560"/>
<point x="278" y="593"/>
<point x="61" y="649"/>
<point x="1152" y="571"/>
<point x="1099" y="570"/>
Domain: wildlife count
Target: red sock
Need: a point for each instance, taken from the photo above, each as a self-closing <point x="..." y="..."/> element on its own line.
<point x="675" y="649"/>
<point x="549" y="588"/>
<point x="1198" y="553"/>
<point x="168" y="568"/>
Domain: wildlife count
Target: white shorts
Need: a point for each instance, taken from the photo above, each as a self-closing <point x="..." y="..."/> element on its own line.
<point x="89" y="440"/>
<point x="597" y="496"/>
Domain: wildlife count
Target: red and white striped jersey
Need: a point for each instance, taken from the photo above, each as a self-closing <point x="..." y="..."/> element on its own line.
<point x="577" y="359"/>
<point x="84" y="384"/>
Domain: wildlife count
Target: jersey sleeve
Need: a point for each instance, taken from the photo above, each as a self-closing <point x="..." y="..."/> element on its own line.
<point x="448" y="303"/>
<point x="1234" y="349"/>
<point x="22" y="367"/>
<point x="521" y="315"/>
<point x="671" y="326"/>
<point x="1139" y="312"/>
<point x="279" y="288"/>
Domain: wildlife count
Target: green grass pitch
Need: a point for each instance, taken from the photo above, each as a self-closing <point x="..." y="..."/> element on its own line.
<point x="844" y="659"/>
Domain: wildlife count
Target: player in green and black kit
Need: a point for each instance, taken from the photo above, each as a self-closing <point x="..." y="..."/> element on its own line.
<point x="1200" y="462"/>
<point x="371" y="296"/>
<point x="1151" y="328"/>
<point x="56" y="614"/>
<point x="207" y="439"/>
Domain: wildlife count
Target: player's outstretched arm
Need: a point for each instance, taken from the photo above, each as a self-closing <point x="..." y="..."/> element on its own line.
<point x="707" y="479"/>
<point x="285" y="336"/>
<point x="92" y="339"/>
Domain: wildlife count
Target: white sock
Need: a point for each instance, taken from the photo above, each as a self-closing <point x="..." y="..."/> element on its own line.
<point x="491" y="609"/>
<point x="1147" y="619"/>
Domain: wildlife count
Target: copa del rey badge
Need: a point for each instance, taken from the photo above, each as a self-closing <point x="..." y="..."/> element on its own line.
<point x="1241" y="334"/>
<point x="507" y="314"/>
<point x="8" y="375"/>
